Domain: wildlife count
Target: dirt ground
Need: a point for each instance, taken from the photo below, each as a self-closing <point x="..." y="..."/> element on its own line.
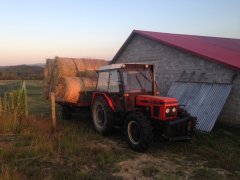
<point x="146" y="166"/>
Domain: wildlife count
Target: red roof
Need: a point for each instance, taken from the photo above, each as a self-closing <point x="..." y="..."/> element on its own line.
<point x="221" y="50"/>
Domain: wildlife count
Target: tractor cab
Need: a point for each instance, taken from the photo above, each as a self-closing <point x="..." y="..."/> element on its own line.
<point x="133" y="86"/>
<point x="127" y="93"/>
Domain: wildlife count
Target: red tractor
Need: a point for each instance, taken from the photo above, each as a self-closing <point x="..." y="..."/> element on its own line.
<point x="125" y="95"/>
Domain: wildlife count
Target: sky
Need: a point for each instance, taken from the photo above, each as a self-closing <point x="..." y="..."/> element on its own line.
<point x="31" y="31"/>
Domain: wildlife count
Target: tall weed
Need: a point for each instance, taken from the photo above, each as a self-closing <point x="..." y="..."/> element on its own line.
<point x="13" y="109"/>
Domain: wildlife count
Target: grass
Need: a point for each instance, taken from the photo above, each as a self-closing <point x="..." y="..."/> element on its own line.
<point x="8" y="85"/>
<point x="149" y="171"/>
<point x="220" y="149"/>
<point x="38" y="106"/>
<point x="204" y="173"/>
<point x="72" y="152"/>
<point x="75" y="151"/>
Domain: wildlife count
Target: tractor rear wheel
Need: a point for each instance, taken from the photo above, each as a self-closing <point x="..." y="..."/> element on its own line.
<point x="138" y="131"/>
<point x="102" y="116"/>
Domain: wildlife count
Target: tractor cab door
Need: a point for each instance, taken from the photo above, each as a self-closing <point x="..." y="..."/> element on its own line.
<point x="109" y="84"/>
<point x="115" y="90"/>
<point x="136" y="82"/>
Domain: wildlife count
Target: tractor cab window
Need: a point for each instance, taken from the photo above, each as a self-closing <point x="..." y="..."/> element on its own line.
<point x="102" y="84"/>
<point x="137" y="80"/>
<point x="114" y="81"/>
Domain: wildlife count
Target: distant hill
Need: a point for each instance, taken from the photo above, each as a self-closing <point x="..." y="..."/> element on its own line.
<point x="37" y="64"/>
<point x="26" y="72"/>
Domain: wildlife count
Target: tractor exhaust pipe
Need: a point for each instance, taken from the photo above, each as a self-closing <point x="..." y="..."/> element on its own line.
<point x="154" y="82"/>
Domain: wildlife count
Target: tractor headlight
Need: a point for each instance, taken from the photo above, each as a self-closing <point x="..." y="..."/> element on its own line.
<point x="167" y="110"/>
<point x="174" y="109"/>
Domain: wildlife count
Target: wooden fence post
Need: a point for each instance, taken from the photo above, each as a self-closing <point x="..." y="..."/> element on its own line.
<point x="54" y="124"/>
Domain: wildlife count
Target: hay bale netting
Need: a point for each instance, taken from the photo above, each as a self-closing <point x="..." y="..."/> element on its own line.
<point x="48" y="70"/>
<point x="69" y="67"/>
<point x="47" y="75"/>
<point x="68" y="89"/>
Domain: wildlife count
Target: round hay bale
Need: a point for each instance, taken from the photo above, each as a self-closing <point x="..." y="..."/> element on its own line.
<point x="68" y="89"/>
<point x="69" y="67"/>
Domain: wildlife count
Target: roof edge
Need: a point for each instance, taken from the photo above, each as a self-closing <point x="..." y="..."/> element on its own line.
<point x="123" y="46"/>
<point x="139" y="32"/>
<point x="186" y="50"/>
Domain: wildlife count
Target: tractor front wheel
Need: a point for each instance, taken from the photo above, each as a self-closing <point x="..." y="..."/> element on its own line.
<point x="102" y="116"/>
<point x="138" y="131"/>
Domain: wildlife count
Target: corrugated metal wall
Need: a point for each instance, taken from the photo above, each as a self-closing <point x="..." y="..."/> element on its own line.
<point x="203" y="100"/>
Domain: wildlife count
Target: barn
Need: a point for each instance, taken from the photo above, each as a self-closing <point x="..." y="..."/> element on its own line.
<point x="208" y="61"/>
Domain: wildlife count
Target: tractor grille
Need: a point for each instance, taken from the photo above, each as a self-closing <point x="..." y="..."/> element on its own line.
<point x="156" y="111"/>
<point x="171" y="113"/>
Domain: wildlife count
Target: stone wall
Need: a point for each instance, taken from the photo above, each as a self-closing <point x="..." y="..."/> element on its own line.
<point x="172" y="64"/>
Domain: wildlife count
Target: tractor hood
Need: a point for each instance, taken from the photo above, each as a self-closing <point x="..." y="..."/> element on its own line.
<point x="161" y="108"/>
<point x="148" y="100"/>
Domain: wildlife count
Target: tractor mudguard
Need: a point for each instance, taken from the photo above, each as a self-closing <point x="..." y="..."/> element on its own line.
<point x="108" y="99"/>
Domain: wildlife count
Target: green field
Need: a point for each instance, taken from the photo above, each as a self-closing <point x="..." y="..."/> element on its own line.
<point x="75" y="151"/>
<point x="37" y="104"/>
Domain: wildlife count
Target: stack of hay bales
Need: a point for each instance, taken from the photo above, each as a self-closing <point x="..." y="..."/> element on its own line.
<point x="67" y="77"/>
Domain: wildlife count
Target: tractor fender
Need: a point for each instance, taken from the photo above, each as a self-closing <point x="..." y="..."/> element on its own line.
<point x="108" y="99"/>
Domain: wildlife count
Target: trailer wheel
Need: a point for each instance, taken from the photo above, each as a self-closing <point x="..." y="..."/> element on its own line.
<point x="138" y="131"/>
<point x="66" y="112"/>
<point x="102" y="116"/>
